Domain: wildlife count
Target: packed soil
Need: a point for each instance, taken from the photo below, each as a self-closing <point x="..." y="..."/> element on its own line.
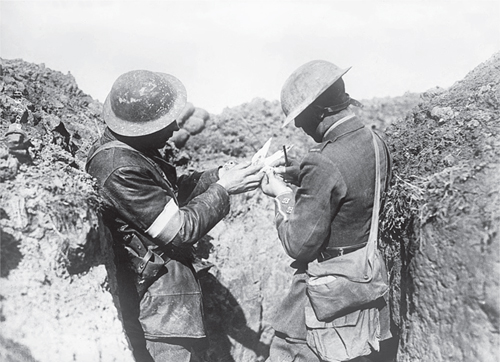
<point x="439" y="223"/>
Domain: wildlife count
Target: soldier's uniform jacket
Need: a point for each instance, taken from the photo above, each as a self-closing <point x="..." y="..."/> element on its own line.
<point x="331" y="209"/>
<point x="155" y="218"/>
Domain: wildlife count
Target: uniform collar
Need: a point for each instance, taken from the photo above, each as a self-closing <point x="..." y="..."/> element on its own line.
<point x="347" y="124"/>
<point x="108" y="136"/>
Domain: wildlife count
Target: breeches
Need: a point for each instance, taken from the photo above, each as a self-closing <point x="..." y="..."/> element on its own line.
<point x="283" y="350"/>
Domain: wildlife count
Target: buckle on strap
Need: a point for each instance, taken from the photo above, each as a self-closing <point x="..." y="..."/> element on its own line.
<point x="151" y="254"/>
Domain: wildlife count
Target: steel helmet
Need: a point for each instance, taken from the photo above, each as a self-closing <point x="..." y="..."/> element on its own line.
<point x="306" y="84"/>
<point x="143" y="102"/>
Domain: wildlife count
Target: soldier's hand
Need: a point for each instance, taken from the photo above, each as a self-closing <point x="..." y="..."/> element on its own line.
<point x="240" y="178"/>
<point x="272" y="185"/>
<point x="289" y="173"/>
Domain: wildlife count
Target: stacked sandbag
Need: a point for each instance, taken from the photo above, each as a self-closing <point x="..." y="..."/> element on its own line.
<point x="191" y="122"/>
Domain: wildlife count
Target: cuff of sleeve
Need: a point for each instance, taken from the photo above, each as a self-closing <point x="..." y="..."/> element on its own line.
<point x="287" y="192"/>
<point x="285" y="203"/>
<point x="224" y="205"/>
<point x="210" y="176"/>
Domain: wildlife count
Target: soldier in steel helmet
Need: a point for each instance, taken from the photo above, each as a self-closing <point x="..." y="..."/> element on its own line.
<point x="329" y="215"/>
<point x="155" y="217"/>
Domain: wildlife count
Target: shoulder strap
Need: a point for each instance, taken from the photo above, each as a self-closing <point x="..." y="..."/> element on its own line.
<point x="389" y="165"/>
<point x="106" y="146"/>
<point x="373" y="237"/>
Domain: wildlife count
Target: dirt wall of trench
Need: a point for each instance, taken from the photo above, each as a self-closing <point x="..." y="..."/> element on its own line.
<point x="441" y="222"/>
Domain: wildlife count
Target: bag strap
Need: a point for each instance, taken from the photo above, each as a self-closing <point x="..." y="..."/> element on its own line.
<point x="373" y="237"/>
<point x="106" y="146"/>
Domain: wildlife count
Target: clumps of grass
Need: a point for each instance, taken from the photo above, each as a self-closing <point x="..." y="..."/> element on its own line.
<point x="445" y="157"/>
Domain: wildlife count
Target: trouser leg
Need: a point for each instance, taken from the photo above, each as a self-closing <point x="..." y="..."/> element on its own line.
<point x="175" y="349"/>
<point x="139" y="347"/>
<point x="283" y="350"/>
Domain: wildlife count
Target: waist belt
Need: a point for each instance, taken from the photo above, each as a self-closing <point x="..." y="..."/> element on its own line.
<point x="334" y="252"/>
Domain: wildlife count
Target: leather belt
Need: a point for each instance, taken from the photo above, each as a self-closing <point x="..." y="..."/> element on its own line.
<point x="334" y="252"/>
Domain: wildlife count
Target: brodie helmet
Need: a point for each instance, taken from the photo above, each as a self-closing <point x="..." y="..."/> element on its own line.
<point x="306" y="84"/>
<point x="142" y="102"/>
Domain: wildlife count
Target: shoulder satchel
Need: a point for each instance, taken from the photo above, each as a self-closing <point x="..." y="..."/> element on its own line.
<point x="349" y="282"/>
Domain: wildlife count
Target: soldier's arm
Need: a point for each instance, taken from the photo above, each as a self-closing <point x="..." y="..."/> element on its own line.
<point x="195" y="184"/>
<point x="154" y="211"/>
<point x="303" y="220"/>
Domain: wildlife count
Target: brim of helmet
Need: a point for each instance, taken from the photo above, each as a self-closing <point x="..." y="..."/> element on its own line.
<point x="309" y="100"/>
<point x="134" y="129"/>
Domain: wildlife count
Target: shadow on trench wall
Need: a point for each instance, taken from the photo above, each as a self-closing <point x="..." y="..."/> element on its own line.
<point x="225" y="318"/>
<point x="10" y="255"/>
